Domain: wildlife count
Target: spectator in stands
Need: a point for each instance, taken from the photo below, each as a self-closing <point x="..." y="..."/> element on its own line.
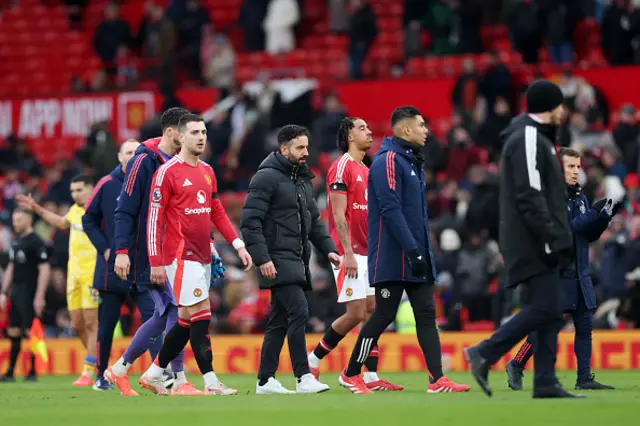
<point x="462" y="154"/>
<point x="326" y="126"/>
<point x="484" y="207"/>
<point x="467" y="23"/>
<point x="435" y="156"/>
<point x="112" y="33"/>
<point x="252" y="13"/>
<point x="338" y="16"/>
<point x="489" y="135"/>
<point x="156" y="34"/>
<point x="412" y="40"/>
<point x="19" y="155"/>
<point x="525" y="30"/>
<point x="439" y="20"/>
<point x="363" y="30"/>
<point x="126" y="68"/>
<point x="561" y="18"/>
<point x="625" y="135"/>
<point x="190" y="23"/>
<point x="496" y="81"/>
<point x="219" y="63"/>
<point x="467" y="89"/>
<point x="282" y="17"/>
<point x="75" y="12"/>
<point x="620" y="27"/>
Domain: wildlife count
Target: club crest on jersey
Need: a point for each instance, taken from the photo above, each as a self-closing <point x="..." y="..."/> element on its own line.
<point x="197" y="292"/>
<point x="208" y="179"/>
<point x="201" y="197"/>
<point x="157" y="195"/>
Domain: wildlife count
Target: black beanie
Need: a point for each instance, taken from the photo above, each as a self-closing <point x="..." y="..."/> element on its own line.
<point x="543" y="96"/>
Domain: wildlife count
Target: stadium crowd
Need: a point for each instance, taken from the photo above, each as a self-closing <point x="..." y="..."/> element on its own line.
<point x="462" y="159"/>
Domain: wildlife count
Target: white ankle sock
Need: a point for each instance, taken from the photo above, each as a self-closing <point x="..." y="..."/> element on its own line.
<point x="121" y="367"/>
<point x="210" y="379"/>
<point x="314" y="361"/>
<point x="154" y="371"/>
<point x="181" y="379"/>
<point x="370" y="376"/>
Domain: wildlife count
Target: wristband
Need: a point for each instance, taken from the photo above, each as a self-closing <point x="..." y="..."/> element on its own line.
<point x="237" y="244"/>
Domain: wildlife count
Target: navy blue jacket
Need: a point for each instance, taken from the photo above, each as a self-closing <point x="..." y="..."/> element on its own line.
<point x="398" y="221"/>
<point x="132" y="211"/>
<point x="587" y="225"/>
<point x="99" y="224"/>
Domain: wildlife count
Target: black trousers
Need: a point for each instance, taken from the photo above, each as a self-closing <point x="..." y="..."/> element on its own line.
<point x="388" y="297"/>
<point x="288" y="317"/>
<point x="542" y="312"/>
<point x="109" y="315"/>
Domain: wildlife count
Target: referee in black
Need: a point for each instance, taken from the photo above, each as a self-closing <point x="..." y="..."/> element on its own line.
<point x="25" y="284"/>
<point x="535" y="239"/>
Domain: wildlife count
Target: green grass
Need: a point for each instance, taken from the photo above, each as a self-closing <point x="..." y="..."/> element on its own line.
<point x="53" y="401"/>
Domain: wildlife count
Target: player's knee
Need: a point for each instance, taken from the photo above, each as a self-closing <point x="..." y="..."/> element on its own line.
<point x="77" y="324"/>
<point x="357" y="312"/>
<point x="299" y="314"/>
<point x="425" y="315"/>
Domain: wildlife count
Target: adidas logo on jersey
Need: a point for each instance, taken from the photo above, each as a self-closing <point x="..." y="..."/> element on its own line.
<point x="187" y="182"/>
<point x="359" y="178"/>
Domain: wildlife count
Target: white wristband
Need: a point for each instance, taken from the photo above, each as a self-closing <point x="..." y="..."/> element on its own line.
<point x="237" y="244"/>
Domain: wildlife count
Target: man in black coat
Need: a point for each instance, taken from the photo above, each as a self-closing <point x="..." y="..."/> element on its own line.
<point x="535" y="239"/>
<point x="280" y="218"/>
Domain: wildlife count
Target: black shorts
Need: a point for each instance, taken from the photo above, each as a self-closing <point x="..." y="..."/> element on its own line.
<point x="22" y="313"/>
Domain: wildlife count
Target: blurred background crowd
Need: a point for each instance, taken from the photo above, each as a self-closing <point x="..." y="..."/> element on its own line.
<point x="273" y="62"/>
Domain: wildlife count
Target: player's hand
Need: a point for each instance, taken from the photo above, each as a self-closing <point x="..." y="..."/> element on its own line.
<point x="351" y="265"/>
<point x="336" y="260"/>
<point x="122" y="265"/>
<point x="3" y="302"/>
<point x="26" y="201"/>
<point x="38" y="305"/>
<point x="268" y="270"/>
<point x="245" y="257"/>
<point x="106" y="254"/>
<point x="158" y="275"/>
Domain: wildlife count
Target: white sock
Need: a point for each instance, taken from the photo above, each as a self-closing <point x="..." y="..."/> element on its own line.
<point x="121" y="367"/>
<point x="210" y="379"/>
<point x="154" y="371"/>
<point x="181" y="379"/>
<point x="370" y="376"/>
<point x="314" y="361"/>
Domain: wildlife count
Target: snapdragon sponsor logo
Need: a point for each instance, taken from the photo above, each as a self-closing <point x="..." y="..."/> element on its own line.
<point x="357" y="206"/>
<point x="199" y="210"/>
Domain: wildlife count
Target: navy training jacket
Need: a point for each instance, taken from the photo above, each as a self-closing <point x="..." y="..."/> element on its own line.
<point x="132" y="211"/>
<point x="98" y="223"/>
<point x="397" y="207"/>
<point x="587" y="225"/>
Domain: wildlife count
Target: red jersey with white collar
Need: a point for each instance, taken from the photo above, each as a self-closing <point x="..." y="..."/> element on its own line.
<point x="349" y="177"/>
<point x="184" y="201"/>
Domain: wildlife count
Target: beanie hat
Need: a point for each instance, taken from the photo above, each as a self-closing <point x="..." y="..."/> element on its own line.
<point x="543" y="96"/>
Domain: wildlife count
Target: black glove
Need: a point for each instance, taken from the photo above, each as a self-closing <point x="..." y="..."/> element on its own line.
<point x="417" y="263"/>
<point x="598" y="205"/>
<point x="616" y="207"/>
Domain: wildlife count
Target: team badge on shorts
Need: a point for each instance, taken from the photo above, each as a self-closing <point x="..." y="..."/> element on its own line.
<point x="157" y="195"/>
<point x="349" y="292"/>
<point x="197" y="292"/>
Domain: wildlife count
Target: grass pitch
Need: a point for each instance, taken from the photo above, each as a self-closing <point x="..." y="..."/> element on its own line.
<point x="53" y="401"/>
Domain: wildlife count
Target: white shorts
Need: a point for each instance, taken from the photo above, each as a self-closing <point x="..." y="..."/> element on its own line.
<point x="189" y="280"/>
<point x="354" y="288"/>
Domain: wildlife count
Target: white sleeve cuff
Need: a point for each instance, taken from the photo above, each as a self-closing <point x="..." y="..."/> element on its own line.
<point x="237" y="244"/>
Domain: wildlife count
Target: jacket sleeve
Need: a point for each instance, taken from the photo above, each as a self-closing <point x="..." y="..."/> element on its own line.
<point x="255" y="209"/>
<point x="526" y="164"/>
<point x="130" y="200"/>
<point x="158" y="197"/>
<point x="318" y="233"/>
<point x="92" y="218"/>
<point x="385" y="180"/>
<point x="591" y="223"/>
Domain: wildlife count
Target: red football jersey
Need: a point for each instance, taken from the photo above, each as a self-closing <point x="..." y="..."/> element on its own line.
<point x="349" y="177"/>
<point x="184" y="202"/>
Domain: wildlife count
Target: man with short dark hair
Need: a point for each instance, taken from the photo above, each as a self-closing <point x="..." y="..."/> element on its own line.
<point x="399" y="250"/>
<point x="25" y="284"/>
<point x="280" y="218"/>
<point x="587" y="224"/>
<point x="535" y="239"/>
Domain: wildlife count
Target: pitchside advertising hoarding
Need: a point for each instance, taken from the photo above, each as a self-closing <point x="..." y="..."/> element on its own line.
<point x="619" y="350"/>
<point x="73" y="116"/>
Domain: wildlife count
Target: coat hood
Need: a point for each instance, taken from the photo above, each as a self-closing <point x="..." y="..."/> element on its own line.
<point x="150" y="147"/>
<point x="402" y="147"/>
<point x="117" y="173"/>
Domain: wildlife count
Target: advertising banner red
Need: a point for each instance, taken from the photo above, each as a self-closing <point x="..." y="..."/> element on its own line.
<point x="619" y="350"/>
<point x="72" y="116"/>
